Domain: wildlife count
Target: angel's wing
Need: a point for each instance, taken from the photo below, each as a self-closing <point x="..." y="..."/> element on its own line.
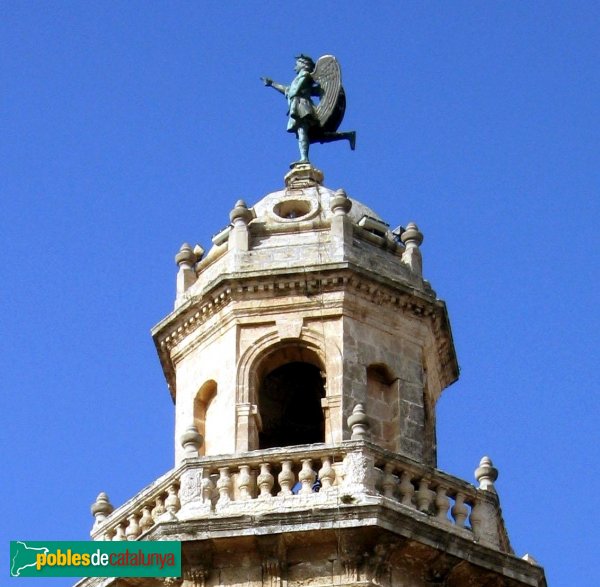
<point x="328" y="75"/>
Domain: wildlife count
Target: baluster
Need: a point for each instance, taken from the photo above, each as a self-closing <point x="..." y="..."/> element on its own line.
<point x="459" y="510"/>
<point x="146" y="521"/>
<point x="224" y="485"/>
<point x="407" y="489"/>
<point x="172" y="504"/>
<point x="390" y="481"/>
<point x="424" y="496"/>
<point x="133" y="529"/>
<point x="244" y="480"/>
<point x="108" y="535"/>
<point x="159" y="509"/>
<point x="286" y="478"/>
<point x="442" y="504"/>
<point x="265" y="481"/>
<point x="119" y="534"/>
<point x="307" y="477"/>
<point x="327" y="474"/>
<point x="207" y="489"/>
<point x="476" y="519"/>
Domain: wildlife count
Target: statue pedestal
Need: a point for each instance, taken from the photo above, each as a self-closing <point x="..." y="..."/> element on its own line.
<point x="303" y="175"/>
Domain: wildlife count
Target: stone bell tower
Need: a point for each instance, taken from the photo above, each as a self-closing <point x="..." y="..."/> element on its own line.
<point x="306" y="307"/>
<point x="305" y="356"/>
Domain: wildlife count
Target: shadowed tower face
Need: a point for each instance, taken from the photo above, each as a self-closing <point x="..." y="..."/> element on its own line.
<point x="289" y="401"/>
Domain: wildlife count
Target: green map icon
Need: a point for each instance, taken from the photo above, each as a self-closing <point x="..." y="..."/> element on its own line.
<point x="23" y="556"/>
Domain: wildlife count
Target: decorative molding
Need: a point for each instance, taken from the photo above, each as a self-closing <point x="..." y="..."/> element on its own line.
<point x="192" y="322"/>
<point x="375" y="292"/>
<point x="403" y="296"/>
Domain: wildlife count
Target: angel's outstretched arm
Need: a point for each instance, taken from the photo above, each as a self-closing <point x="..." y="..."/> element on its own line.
<point x="269" y="82"/>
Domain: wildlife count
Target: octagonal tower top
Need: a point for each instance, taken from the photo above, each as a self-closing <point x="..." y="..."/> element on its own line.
<point x="306" y="305"/>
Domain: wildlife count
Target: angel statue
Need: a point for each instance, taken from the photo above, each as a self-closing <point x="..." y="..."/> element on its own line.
<point x="315" y="123"/>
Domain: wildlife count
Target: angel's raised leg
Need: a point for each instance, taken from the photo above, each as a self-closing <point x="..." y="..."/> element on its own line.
<point x="330" y="137"/>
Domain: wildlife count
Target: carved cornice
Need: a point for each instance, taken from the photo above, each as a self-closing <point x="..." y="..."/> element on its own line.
<point x="198" y="310"/>
<point x="378" y="290"/>
<point x="191" y="320"/>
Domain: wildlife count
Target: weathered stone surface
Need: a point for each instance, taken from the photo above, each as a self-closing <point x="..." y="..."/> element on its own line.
<point x="305" y="357"/>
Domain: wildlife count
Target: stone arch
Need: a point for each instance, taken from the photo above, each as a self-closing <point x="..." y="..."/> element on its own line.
<point x="205" y="424"/>
<point x="267" y="354"/>
<point x="289" y="399"/>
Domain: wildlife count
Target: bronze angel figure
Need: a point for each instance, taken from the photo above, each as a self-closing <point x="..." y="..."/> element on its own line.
<point x="309" y="122"/>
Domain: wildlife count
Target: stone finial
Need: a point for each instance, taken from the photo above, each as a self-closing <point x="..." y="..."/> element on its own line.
<point x="186" y="257"/>
<point x="340" y="203"/>
<point x="186" y="276"/>
<point x="412" y="239"/>
<point x="191" y="440"/>
<point x="240" y="213"/>
<point x="359" y="422"/>
<point x="486" y="474"/>
<point x="239" y="237"/>
<point x="412" y="235"/>
<point x="199" y="252"/>
<point x="101" y="508"/>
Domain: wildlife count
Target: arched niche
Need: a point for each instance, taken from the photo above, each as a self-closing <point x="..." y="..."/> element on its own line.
<point x="267" y="354"/>
<point x="289" y="404"/>
<point x="290" y="386"/>
<point x="206" y="422"/>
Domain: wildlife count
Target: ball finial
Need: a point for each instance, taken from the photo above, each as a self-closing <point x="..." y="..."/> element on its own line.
<point x="486" y="474"/>
<point x="340" y="203"/>
<point x="240" y="213"/>
<point x="185" y="256"/>
<point x="191" y="440"/>
<point x="412" y="234"/>
<point x="102" y="505"/>
<point x="359" y="423"/>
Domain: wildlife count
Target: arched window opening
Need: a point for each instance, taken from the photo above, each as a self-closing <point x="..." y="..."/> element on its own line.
<point x="289" y="400"/>
<point x="207" y="426"/>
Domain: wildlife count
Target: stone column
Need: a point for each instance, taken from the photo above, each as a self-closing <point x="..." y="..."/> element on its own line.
<point x="245" y="429"/>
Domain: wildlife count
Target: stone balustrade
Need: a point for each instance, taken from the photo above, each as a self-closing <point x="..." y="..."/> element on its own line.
<point x="444" y="499"/>
<point x="355" y="472"/>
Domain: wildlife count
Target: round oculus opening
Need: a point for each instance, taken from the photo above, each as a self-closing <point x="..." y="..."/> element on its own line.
<point x="292" y="209"/>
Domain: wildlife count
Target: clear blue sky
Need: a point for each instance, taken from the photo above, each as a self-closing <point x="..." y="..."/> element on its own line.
<point x="129" y="128"/>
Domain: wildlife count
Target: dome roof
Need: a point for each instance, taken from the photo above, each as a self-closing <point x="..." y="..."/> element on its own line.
<point x="309" y="203"/>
